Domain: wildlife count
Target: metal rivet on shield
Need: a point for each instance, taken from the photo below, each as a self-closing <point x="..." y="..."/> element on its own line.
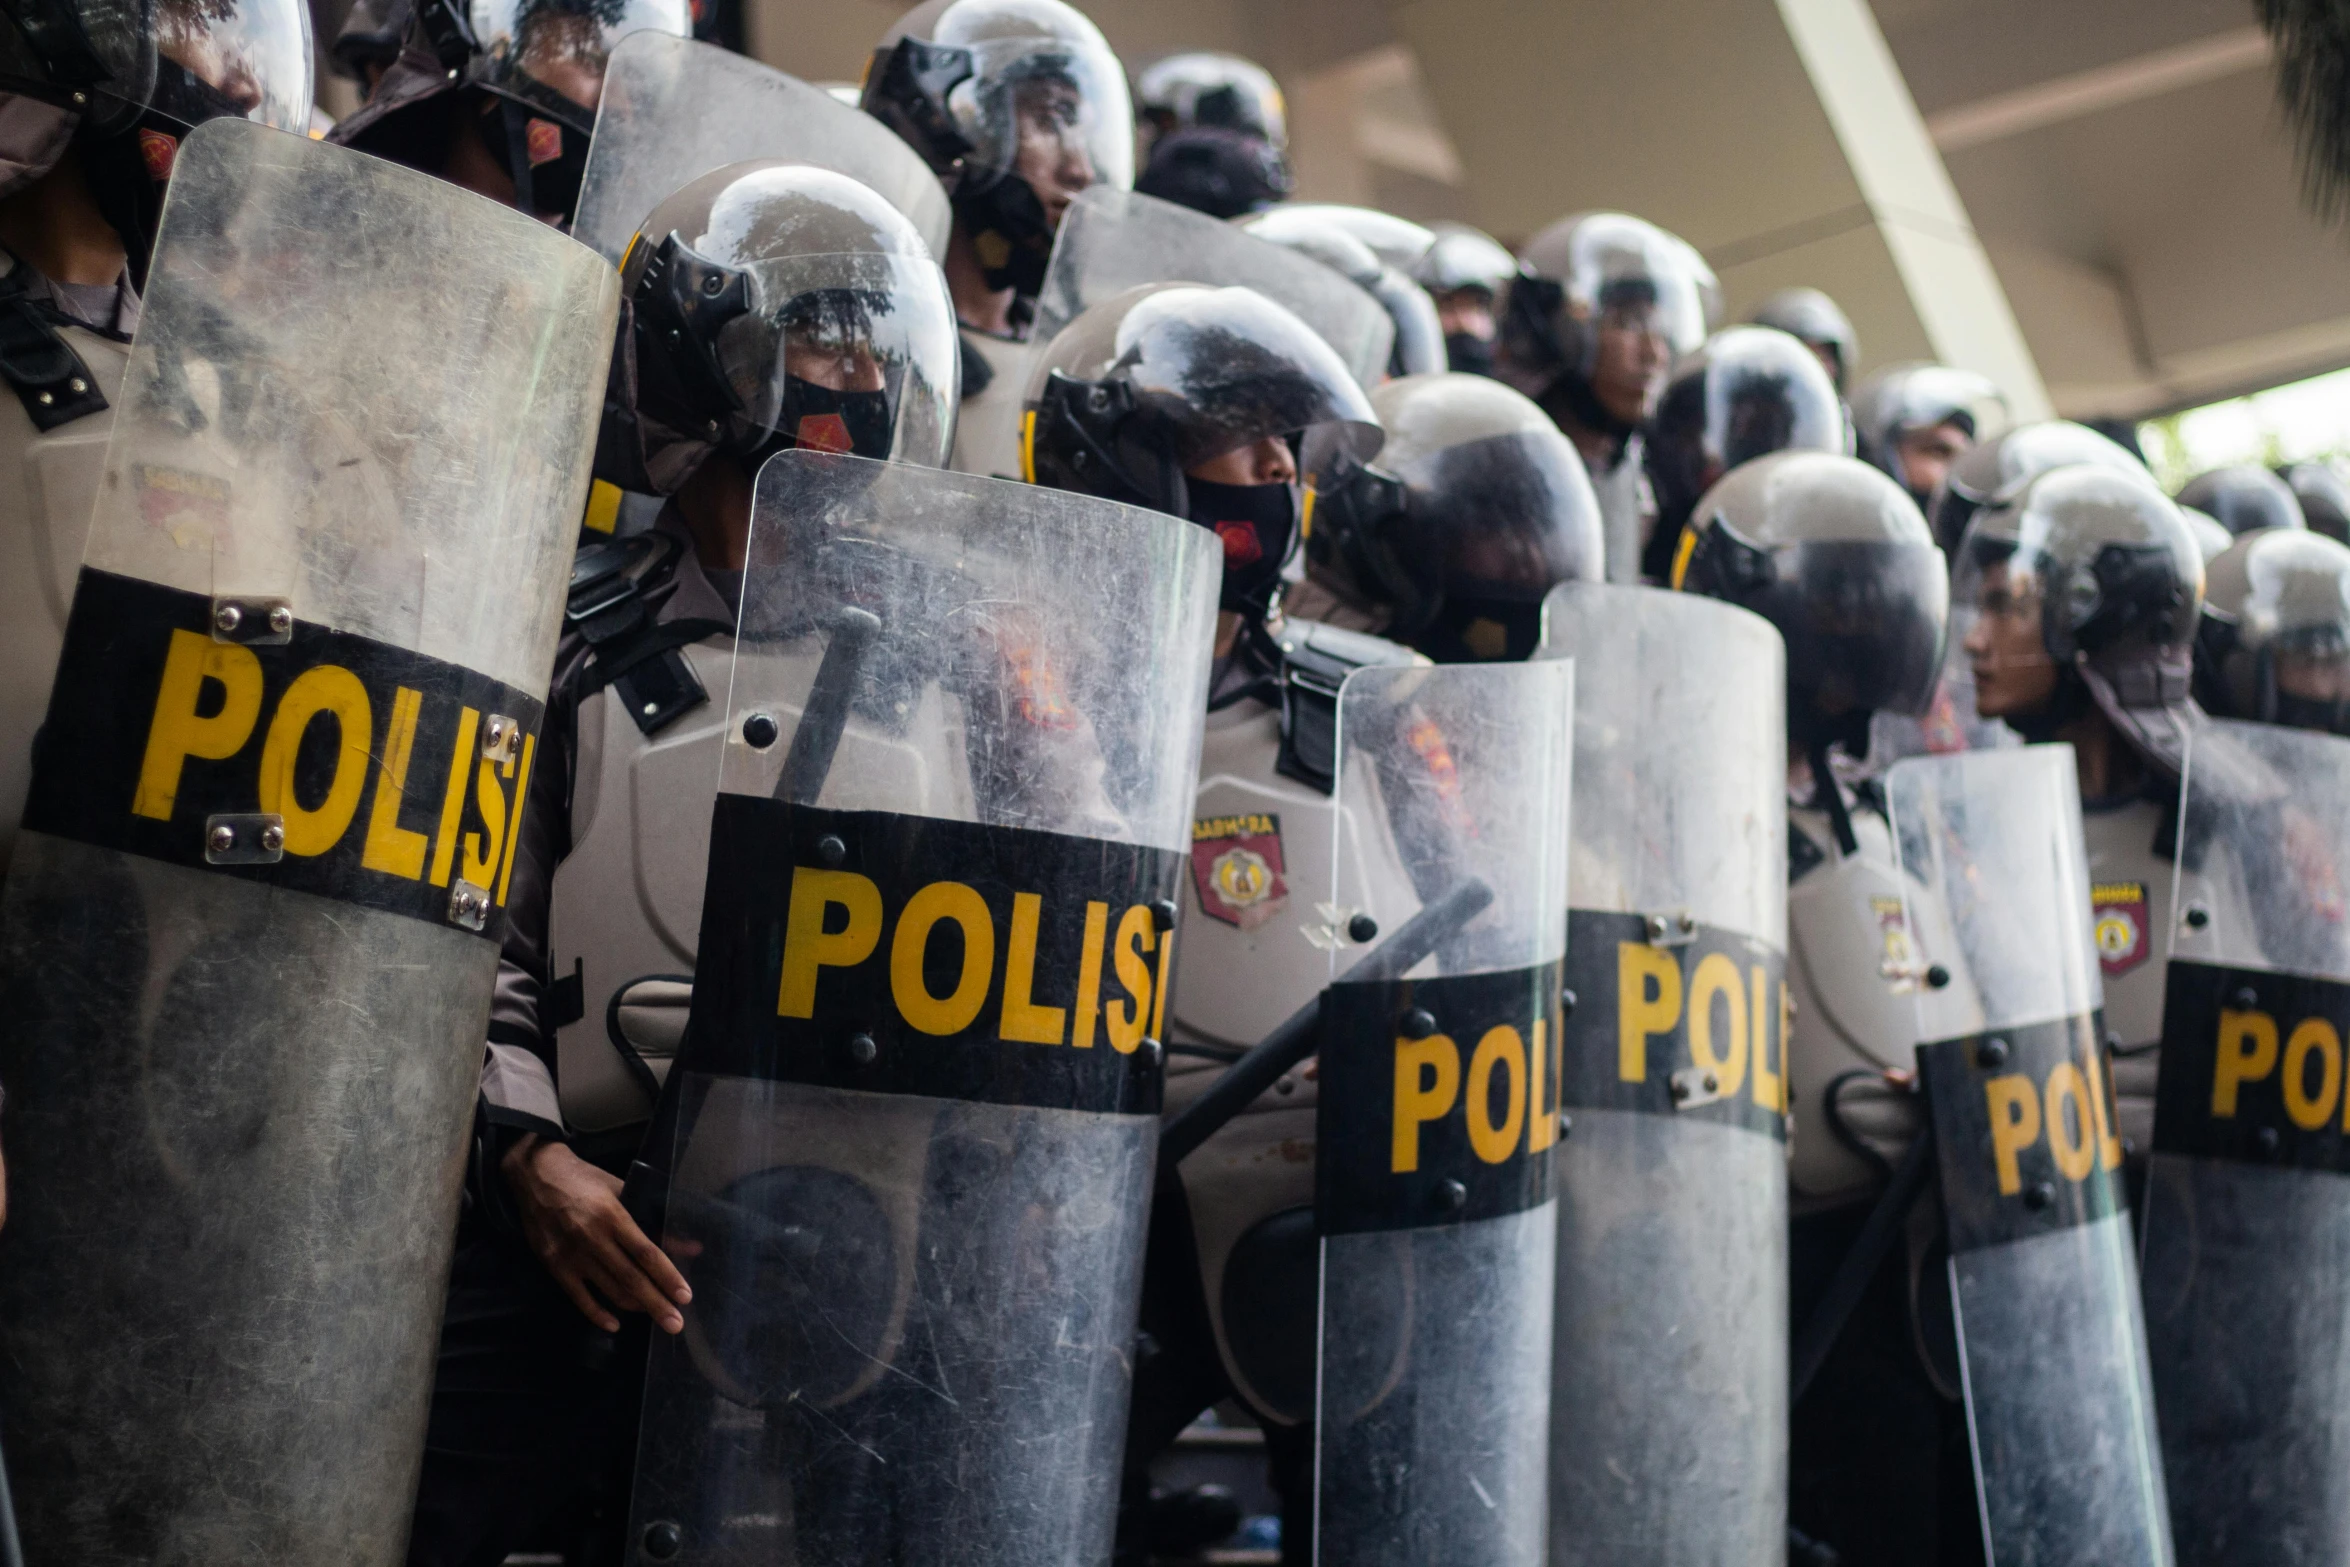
<point x="1361" y="928"/>
<point x="1991" y="1054"/>
<point x="1452" y="1196"/>
<point x="2039" y="1195"/>
<point x="77" y="386"/>
<point x="273" y="839"/>
<point x="2267" y="1140"/>
<point x="831" y="850"/>
<point x="46" y="398"/>
<point x="862" y="1047"/>
<point x="2197" y="916"/>
<point x="1658" y="925"/>
<point x="221" y="839"/>
<point x="1566" y="1003"/>
<point x="2245" y="998"/>
<point x="226" y="618"/>
<point x="1152" y="1052"/>
<point x="469" y="905"/>
<point x="1418" y="1023"/>
<point x="662" y="1541"/>
<point x="1163" y="913"/>
<point x="1937" y="977"/>
<point x="760" y="731"/>
<point x="281" y="621"/>
<point x="1687" y="922"/>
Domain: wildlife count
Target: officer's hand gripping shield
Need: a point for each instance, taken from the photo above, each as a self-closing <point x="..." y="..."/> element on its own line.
<point x="1669" y="1384"/>
<point x="905" y="1156"/>
<point x="674" y="109"/>
<point x="2247" y="1225"/>
<point x="1437" y="1122"/>
<point x="2051" y="1341"/>
<point x="252" y="923"/>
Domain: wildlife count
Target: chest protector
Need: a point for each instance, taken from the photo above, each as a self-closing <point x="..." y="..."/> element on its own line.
<point x="987" y="429"/>
<point x="1255" y="946"/>
<point x="48" y="484"/>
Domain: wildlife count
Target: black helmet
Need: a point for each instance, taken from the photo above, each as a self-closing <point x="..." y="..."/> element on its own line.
<point x="1838" y="557"/>
<point x="1900" y="400"/>
<point x="778" y="305"/>
<point x="541" y="63"/>
<point x="2274" y="645"/>
<point x="131" y="80"/>
<point x="1817" y="320"/>
<point x="2106" y="568"/>
<point x="1350" y="240"/>
<point x="968" y="82"/>
<point x="1476" y="508"/>
<point x="1587" y="273"/>
<point x="1225" y="174"/>
<point x="2000" y="467"/>
<point x="1163" y="378"/>
<point x="2324" y="496"/>
<point x="1750" y="390"/>
<point x="1222" y="91"/>
<point x="2244" y="497"/>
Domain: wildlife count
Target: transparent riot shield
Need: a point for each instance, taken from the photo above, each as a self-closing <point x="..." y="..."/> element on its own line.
<point x="674" y="109"/>
<point x="1668" y="1437"/>
<point x="2247" y="1223"/>
<point x="1437" y="1121"/>
<point x="2052" y="1344"/>
<point x="251" y="927"/>
<point x="1112" y="240"/>
<point x="904" y="1158"/>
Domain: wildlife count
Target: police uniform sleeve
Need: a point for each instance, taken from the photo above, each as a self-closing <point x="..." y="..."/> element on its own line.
<point x="518" y="1065"/>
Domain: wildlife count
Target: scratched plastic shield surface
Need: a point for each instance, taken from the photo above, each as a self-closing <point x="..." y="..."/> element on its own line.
<point x="916" y="1245"/>
<point x="674" y="109"/>
<point x="2247" y="1230"/>
<point x="238" y="1109"/>
<point x="1668" y="1439"/>
<point x="1433" y="1398"/>
<point x="2052" y="1341"/>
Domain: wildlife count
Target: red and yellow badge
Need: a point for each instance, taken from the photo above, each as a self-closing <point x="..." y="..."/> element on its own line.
<point x="159" y="150"/>
<point x="542" y="141"/>
<point x="1236" y="867"/>
<point x="2121" y="925"/>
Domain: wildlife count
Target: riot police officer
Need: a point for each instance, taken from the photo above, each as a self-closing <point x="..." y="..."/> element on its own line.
<point x="1216" y="131"/>
<point x="1820" y="324"/>
<point x="1475" y="508"/>
<point x="2003" y="465"/>
<point x="1217" y="405"/>
<point x="1748" y="391"/>
<point x="2244" y="496"/>
<point x="775" y="305"/>
<point x="1916" y="420"/>
<point x="1590" y="331"/>
<point x="500" y="96"/>
<point x="1836" y="555"/>
<point x="2274" y="643"/>
<point x="2085" y="588"/>
<point x="1465" y="272"/>
<point x="1017" y="105"/>
<point x="89" y="155"/>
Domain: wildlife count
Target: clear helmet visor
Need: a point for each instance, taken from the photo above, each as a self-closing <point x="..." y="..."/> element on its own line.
<point x="554" y="52"/>
<point x="188" y="61"/>
<point x="1053" y="111"/>
<point x="846" y="353"/>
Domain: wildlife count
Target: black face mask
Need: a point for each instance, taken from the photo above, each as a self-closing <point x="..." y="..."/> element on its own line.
<point x="820" y="419"/>
<point x="1011" y="233"/>
<point x="1482" y="631"/>
<point x="1257" y="523"/>
<point x="1468" y="353"/>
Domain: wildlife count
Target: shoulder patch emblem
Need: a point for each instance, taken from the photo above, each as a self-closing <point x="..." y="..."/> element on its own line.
<point x="1237" y="869"/>
<point x="2121" y="925"/>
